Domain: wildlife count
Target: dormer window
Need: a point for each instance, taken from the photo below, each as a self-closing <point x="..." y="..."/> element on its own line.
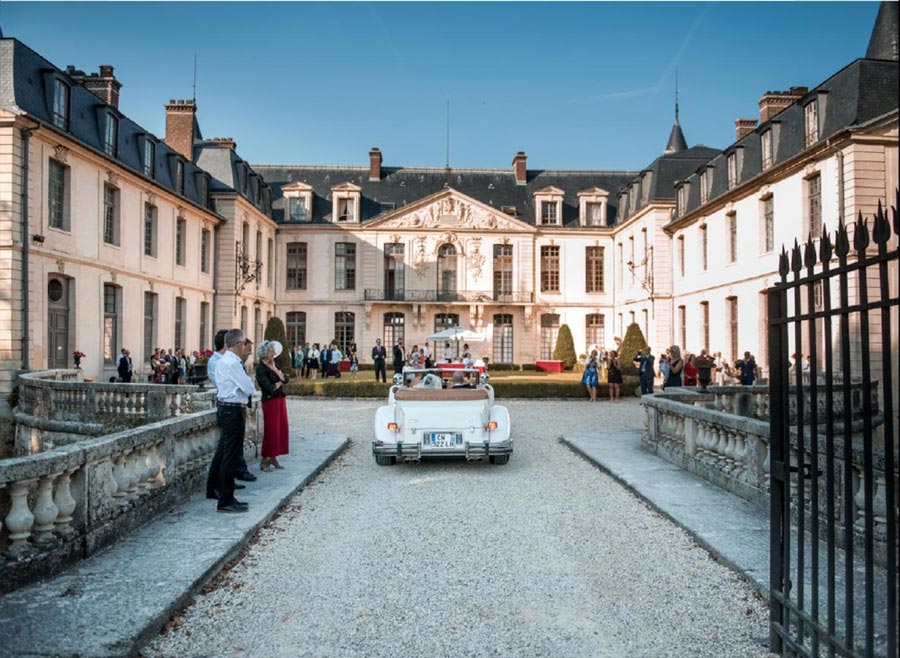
<point x="592" y="205"/>
<point x="179" y="177"/>
<point x="548" y="202"/>
<point x="811" y="123"/>
<point x="387" y="206"/>
<point x="204" y="190"/>
<point x="766" y="147"/>
<point x="298" y="209"/>
<point x="299" y="198"/>
<point x="704" y="186"/>
<point x="345" y="203"/>
<point x="509" y="210"/>
<point x="549" y="213"/>
<point x="111" y="136"/>
<point x="732" y="169"/>
<point x="149" y="158"/>
<point x="681" y="200"/>
<point x="60" y="105"/>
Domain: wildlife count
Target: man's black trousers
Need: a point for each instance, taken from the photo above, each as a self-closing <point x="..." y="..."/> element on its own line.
<point x="379" y="368"/>
<point x="231" y="444"/>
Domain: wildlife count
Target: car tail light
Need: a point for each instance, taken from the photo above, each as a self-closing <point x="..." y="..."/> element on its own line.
<point x="492" y="424"/>
<point x="393" y="427"/>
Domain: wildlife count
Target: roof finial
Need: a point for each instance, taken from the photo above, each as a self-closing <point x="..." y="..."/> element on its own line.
<point x="676" y="94"/>
<point x="195" y="78"/>
<point x="676" y="137"/>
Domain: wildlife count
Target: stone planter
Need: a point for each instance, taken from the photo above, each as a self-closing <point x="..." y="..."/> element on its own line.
<point x="703" y="376"/>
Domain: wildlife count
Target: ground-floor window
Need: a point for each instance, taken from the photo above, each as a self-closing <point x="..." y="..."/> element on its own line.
<point x="394" y="326"/>
<point x="503" y="338"/>
<point x="595" y="330"/>
<point x="344" y="332"/>
<point x="445" y="321"/>
<point x="549" y="331"/>
<point x="295" y="328"/>
<point x="111" y="304"/>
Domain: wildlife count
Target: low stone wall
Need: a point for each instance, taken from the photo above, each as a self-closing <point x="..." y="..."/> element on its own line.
<point x="700" y="433"/>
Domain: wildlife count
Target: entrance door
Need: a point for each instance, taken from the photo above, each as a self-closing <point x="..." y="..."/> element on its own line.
<point x="57" y="324"/>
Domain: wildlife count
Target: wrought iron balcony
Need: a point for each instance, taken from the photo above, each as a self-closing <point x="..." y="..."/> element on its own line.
<point x="448" y="296"/>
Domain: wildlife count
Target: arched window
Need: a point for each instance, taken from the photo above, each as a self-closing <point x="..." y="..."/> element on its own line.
<point x="394" y="328"/>
<point x="503" y="338"/>
<point x="295" y="328"/>
<point x="446" y="282"/>
<point x="595" y="330"/>
<point x="344" y="330"/>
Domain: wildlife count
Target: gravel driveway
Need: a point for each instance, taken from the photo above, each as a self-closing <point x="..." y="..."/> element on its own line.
<point x="543" y="557"/>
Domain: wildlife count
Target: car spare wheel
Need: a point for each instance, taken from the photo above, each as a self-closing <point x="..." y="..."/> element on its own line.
<point x="384" y="460"/>
<point x="499" y="459"/>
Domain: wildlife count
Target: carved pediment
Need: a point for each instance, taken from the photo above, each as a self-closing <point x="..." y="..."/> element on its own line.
<point x="550" y="190"/>
<point x="450" y="210"/>
<point x="346" y="187"/>
<point x="593" y="191"/>
<point x="297" y="187"/>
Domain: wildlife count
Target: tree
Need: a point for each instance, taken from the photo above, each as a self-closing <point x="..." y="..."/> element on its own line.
<point x="275" y="331"/>
<point x="634" y="342"/>
<point x="565" y="347"/>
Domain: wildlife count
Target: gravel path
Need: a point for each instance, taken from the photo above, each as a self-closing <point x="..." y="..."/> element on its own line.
<point x="543" y="557"/>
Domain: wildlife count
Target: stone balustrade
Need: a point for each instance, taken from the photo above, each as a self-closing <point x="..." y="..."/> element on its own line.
<point x="56" y="407"/>
<point x="704" y="434"/>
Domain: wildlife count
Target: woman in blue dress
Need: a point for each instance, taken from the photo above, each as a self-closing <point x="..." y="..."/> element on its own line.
<point x="589" y="379"/>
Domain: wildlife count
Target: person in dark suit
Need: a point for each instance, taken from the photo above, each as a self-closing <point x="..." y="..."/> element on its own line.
<point x="378" y="356"/>
<point x="399" y="356"/>
<point x="645" y="362"/>
<point x="124" y="367"/>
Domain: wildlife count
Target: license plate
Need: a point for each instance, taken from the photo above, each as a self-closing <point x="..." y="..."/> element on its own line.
<point x="441" y="439"/>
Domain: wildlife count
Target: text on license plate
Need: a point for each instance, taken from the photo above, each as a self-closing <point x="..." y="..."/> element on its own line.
<point x="441" y="439"/>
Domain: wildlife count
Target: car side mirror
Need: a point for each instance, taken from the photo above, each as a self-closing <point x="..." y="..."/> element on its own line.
<point x="398" y="379"/>
<point x="484" y="378"/>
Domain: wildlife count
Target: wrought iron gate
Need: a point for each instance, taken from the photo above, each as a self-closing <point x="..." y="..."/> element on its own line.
<point x="833" y="444"/>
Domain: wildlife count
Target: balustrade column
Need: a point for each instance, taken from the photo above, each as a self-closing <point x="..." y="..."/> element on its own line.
<point x="19" y="520"/>
<point x="45" y="511"/>
<point x="121" y="478"/>
<point x="134" y="474"/>
<point x="65" y="503"/>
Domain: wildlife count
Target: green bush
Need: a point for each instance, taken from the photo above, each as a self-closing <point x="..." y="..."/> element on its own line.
<point x="530" y="367"/>
<point x="503" y="367"/>
<point x="634" y="342"/>
<point x="275" y="331"/>
<point x="565" y="347"/>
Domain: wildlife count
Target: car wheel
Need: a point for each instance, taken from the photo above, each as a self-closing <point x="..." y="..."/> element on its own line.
<point x="499" y="460"/>
<point x="384" y="460"/>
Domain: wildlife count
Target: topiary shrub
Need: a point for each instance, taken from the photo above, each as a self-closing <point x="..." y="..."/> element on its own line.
<point x="632" y="344"/>
<point x="565" y="347"/>
<point x="275" y="331"/>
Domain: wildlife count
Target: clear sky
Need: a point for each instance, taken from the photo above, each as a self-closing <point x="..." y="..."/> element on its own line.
<point x="574" y="85"/>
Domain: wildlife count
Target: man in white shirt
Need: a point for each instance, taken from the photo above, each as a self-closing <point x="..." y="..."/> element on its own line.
<point x="336" y="360"/>
<point x="241" y="472"/>
<point x="233" y="389"/>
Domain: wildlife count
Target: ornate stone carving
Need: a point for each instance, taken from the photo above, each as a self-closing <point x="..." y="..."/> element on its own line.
<point x="61" y="266"/>
<point x="113" y="276"/>
<point x="61" y="153"/>
<point x="450" y="211"/>
<point x="475" y="259"/>
<point x="181" y="292"/>
<point x="394" y="238"/>
<point x="180" y="212"/>
<point x="151" y="198"/>
<point x="112" y="177"/>
<point x="420" y="259"/>
<point x="368" y="312"/>
<point x="150" y="285"/>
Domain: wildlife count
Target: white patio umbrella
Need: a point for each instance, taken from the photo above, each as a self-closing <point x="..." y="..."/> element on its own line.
<point x="458" y="334"/>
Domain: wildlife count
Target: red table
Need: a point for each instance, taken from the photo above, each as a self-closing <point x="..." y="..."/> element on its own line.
<point x="457" y="366"/>
<point x="344" y="365"/>
<point x="549" y="366"/>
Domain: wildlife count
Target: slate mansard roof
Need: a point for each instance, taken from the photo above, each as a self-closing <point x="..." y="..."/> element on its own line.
<point x="26" y="87"/>
<point x="862" y="91"/>
<point x="402" y="186"/>
<point x="231" y="175"/>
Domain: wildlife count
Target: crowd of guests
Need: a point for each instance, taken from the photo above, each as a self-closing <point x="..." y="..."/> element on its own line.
<point x="313" y="361"/>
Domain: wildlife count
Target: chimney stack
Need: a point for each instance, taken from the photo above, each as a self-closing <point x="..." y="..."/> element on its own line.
<point x="775" y="102"/>
<point x="227" y="142"/>
<point x="375" y="164"/>
<point x="103" y="85"/>
<point x="744" y="127"/>
<point x="519" y="168"/>
<point x="180" y="122"/>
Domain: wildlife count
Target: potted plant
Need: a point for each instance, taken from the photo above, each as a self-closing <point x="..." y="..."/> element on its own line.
<point x="201" y="361"/>
<point x="77" y="355"/>
<point x="705" y="364"/>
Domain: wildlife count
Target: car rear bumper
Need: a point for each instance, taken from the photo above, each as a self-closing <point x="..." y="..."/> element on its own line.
<point x="467" y="450"/>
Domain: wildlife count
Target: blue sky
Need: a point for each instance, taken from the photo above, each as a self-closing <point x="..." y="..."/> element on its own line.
<point x="574" y="85"/>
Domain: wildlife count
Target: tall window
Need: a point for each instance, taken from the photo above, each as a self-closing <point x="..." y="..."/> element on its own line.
<point x="703" y="245"/>
<point x="594" y="212"/>
<point x="446" y="282"/>
<point x="550" y="268"/>
<point x="704" y="189"/>
<point x="619" y="263"/>
<point x="704" y="315"/>
<point x="204" y="191"/>
<point x="682" y="324"/>
<point x="110" y="215"/>
<point x="180" y="237"/>
<point x="595" y="330"/>
<point x="646" y="323"/>
<point x="149" y="158"/>
<point x="732" y="170"/>
<point x="394" y="324"/>
<point x="296" y="266"/>
<point x="270" y="263"/>
<point x="811" y="123"/>
<point x="394" y="278"/>
<point x="149" y="230"/>
<point x="731" y="226"/>
<point x="111" y="136"/>
<point x="593" y="269"/>
<point x="298" y="209"/>
<point x="503" y="338"/>
<point x="769" y="223"/>
<point x="814" y="205"/>
<point x="204" y="325"/>
<point x="151" y="302"/>
<point x="60" y="105"/>
<point x="295" y="328"/>
<point x="732" y="303"/>
<point x="259" y="255"/>
<point x="344" y="266"/>
<point x="257" y="326"/>
<point x="58" y="196"/>
<point x="346" y="210"/>
<point x="549" y="214"/>
<point x="503" y="271"/>
<point x="631" y="257"/>
<point x="549" y="331"/>
<point x="681" y="254"/>
<point x="768" y="155"/>
<point x="343" y="330"/>
<point x="244" y="319"/>
<point x="204" y="250"/>
<point x="179" y="177"/>
<point x="180" y="309"/>
<point x="111" y="303"/>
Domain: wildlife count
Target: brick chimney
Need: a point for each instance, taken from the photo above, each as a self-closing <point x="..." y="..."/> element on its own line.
<point x="519" y="168"/>
<point x="375" y="164"/>
<point x="775" y="102"/>
<point x="227" y="142"/>
<point x="180" y="122"/>
<point x="103" y="85"/>
<point x="744" y="127"/>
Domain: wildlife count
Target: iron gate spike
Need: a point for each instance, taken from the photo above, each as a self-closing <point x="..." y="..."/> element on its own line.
<point x="881" y="231"/>
<point x="796" y="261"/>
<point x="842" y="242"/>
<point x="783" y="263"/>
<point x="810" y="253"/>
<point x="861" y="235"/>
<point x="825" y="248"/>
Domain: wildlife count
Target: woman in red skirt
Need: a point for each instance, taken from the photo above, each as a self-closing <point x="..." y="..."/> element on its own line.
<point x="271" y="382"/>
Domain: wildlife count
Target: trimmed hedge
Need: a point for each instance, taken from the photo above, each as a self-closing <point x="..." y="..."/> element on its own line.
<point x="632" y="344"/>
<point x="565" y="347"/>
<point x="275" y="331"/>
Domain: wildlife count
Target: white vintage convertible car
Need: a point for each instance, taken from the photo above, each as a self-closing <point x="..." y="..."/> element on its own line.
<point x="430" y="418"/>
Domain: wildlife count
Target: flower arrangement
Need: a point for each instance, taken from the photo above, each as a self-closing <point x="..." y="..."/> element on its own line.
<point x="705" y="361"/>
<point x="78" y="355"/>
<point x="203" y="357"/>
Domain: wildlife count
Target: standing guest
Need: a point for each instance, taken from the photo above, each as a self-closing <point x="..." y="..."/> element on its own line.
<point x="590" y="378"/>
<point x="664" y="369"/>
<point x="336" y="357"/>
<point x="690" y="371"/>
<point x="271" y="382"/>
<point x="312" y="361"/>
<point x="219" y="346"/>
<point x="124" y="367"/>
<point x="448" y="353"/>
<point x="426" y="354"/>
<point x="646" y="372"/>
<point x="233" y="390"/>
<point x="398" y="356"/>
<point x="119" y="360"/>
<point x="414" y="356"/>
<point x="378" y="357"/>
<point x="748" y="370"/>
<point x="354" y="365"/>
<point x="676" y="365"/>
<point x="614" y="379"/>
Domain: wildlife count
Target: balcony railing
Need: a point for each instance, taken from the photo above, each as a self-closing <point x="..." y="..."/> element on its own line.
<point x="442" y="296"/>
